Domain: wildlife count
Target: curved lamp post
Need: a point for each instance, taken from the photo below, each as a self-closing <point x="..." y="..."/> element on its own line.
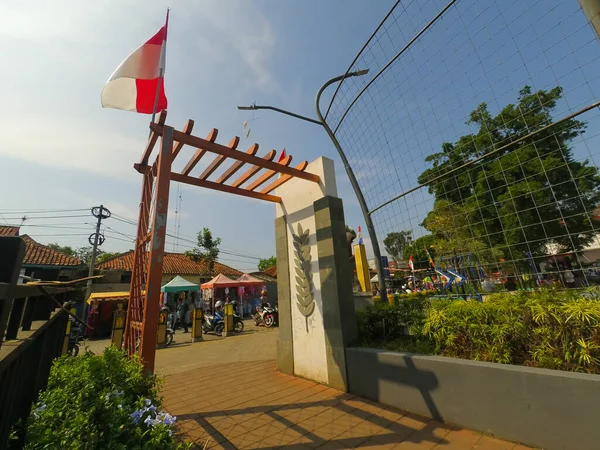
<point x="361" y="199"/>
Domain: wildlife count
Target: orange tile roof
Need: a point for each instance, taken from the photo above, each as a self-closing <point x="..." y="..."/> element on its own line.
<point x="173" y="264"/>
<point x="271" y="271"/>
<point x="9" y="231"/>
<point x="37" y="254"/>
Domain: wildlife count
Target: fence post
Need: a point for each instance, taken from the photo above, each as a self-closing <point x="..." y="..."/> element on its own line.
<point x="12" y="250"/>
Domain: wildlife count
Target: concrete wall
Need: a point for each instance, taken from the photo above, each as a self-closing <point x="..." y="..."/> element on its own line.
<point x="549" y="409"/>
<point x="362" y="300"/>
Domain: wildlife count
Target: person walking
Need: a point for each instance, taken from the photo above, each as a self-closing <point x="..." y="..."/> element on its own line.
<point x="182" y="308"/>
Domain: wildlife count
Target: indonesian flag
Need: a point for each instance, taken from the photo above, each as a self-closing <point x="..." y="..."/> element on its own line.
<point x="282" y="156"/>
<point x="411" y="264"/>
<point x="133" y="86"/>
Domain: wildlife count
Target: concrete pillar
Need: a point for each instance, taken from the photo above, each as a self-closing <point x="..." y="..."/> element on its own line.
<point x="591" y="8"/>
<point x="316" y="307"/>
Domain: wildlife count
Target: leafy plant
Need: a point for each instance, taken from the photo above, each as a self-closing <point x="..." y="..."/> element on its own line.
<point x="304" y="281"/>
<point x="99" y="402"/>
<point x="206" y="250"/>
<point x="264" y="264"/>
<point x="546" y="328"/>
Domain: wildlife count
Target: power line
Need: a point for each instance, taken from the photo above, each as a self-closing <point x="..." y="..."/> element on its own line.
<point x="46" y="217"/>
<point x="41" y="211"/>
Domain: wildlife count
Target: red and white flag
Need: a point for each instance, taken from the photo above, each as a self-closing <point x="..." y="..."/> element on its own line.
<point x="282" y="156"/>
<point x="411" y="264"/>
<point x="133" y="86"/>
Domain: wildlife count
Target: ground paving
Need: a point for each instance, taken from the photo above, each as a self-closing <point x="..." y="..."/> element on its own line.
<point x="228" y="393"/>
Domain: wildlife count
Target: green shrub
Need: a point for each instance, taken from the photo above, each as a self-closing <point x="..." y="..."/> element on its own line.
<point x="546" y="328"/>
<point x="99" y="402"/>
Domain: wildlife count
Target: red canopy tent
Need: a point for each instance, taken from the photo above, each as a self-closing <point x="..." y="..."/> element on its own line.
<point x="249" y="280"/>
<point x="220" y="281"/>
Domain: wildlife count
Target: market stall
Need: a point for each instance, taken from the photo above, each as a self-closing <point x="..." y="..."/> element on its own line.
<point x="219" y="288"/>
<point x="249" y="293"/>
<point x="101" y="311"/>
<point x="180" y="289"/>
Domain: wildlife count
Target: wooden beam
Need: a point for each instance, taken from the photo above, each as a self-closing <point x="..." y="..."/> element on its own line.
<point x="212" y="137"/>
<point x="153" y="137"/>
<point x="268" y="174"/>
<point x="236" y="165"/>
<point x="189" y="126"/>
<point x="252" y="170"/>
<point x="219" y="160"/>
<point x="212" y="147"/>
<point x="223" y="188"/>
<point x="283" y="179"/>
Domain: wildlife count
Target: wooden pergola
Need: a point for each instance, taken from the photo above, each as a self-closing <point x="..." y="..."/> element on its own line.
<point x="261" y="177"/>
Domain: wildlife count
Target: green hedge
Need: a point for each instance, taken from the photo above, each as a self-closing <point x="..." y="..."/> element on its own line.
<point x="100" y="402"/>
<point x="550" y="329"/>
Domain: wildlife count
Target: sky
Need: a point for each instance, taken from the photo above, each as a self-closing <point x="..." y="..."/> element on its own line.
<point x="62" y="153"/>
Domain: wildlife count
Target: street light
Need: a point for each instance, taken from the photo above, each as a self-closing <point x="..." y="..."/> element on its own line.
<point x="361" y="199"/>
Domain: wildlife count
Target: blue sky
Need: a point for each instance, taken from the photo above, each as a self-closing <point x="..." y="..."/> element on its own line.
<point x="61" y="150"/>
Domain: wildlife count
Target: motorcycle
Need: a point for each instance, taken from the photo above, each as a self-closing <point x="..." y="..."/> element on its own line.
<point x="266" y="316"/>
<point x="75" y="337"/>
<point x="214" y="323"/>
<point x="238" y="323"/>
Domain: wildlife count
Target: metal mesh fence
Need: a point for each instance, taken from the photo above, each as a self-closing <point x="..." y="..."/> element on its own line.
<point x="475" y="140"/>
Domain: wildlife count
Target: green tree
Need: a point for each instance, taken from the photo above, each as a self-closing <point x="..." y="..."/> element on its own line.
<point x="529" y="193"/>
<point x="417" y="250"/>
<point x="395" y="242"/>
<point x="63" y="249"/>
<point x="207" y="249"/>
<point x="264" y="264"/>
<point x="106" y="255"/>
<point x="85" y="254"/>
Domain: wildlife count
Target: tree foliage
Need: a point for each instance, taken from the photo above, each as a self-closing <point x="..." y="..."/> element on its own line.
<point x="529" y="193"/>
<point x="395" y="243"/>
<point x="105" y="255"/>
<point x="207" y="249"/>
<point x="67" y="250"/>
<point x="264" y="264"/>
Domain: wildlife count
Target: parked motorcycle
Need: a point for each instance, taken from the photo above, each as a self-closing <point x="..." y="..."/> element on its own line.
<point x="214" y="323"/>
<point x="75" y="337"/>
<point x="267" y="316"/>
<point x="238" y="323"/>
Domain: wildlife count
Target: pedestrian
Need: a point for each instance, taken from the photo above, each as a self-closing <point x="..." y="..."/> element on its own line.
<point x="182" y="308"/>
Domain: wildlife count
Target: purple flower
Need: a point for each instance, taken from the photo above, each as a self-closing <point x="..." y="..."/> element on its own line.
<point x="137" y="415"/>
<point x="149" y="421"/>
<point x="147" y="402"/>
<point x="169" y="419"/>
<point x="37" y="411"/>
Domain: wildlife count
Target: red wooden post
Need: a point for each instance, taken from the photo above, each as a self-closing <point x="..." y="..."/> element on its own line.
<point x="138" y="272"/>
<point x="156" y="252"/>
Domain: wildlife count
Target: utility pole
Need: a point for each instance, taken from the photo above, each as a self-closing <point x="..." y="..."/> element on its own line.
<point x="95" y="239"/>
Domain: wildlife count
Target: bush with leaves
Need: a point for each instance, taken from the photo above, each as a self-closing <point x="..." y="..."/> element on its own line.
<point x="100" y="402"/>
<point x="547" y="328"/>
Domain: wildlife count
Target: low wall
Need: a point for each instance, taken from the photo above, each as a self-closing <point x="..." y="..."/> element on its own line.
<point x="362" y="300"/>
<point x="550" y="409"/>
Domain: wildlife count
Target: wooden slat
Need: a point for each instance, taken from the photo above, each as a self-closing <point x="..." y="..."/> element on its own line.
<point x="219" y="160"/>
<point x="253" y="170"/>
<point x="212" y="147"/>
<point x="153" y="137"/>
<point x="212" y="137"/>
<point x="223" y="188"/>
<point x="236" y="165"/>
<point x="268" y="174"/>
<point x="283" y="179"/>
<point x="189" y="126"/>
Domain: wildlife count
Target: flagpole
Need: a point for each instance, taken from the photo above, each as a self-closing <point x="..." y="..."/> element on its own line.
<point x="161" y="69"/>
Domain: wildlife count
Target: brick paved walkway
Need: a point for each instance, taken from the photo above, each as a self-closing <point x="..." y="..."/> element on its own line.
<point x="250" y="404"/>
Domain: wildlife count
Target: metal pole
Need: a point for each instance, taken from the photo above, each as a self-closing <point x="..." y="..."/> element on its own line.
<point x="591" y="8"/>
<point x="355" y="186"/>
<point x="361" y="199"/>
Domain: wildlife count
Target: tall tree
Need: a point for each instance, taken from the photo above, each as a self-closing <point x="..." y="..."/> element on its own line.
<point x="63" y="249"/>
<point x="395" y="242"/>
<point x="529" y="193"/>
<point x="264" y="264"/>
<point x="106" y="255"/>
<point x="207" y="249"/>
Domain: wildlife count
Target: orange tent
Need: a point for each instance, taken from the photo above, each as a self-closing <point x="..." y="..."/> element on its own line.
<point x="249" y="280"/>
<point x="220" y="281"/>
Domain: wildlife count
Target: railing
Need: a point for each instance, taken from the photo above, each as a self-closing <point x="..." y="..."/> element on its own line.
<point x="27" y="347"/>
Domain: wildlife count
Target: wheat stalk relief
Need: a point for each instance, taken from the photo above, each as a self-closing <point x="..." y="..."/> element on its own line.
<point x="304" y="282"/>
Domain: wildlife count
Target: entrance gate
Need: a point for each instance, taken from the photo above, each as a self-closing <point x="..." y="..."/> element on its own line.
<point x="143" y="308"/>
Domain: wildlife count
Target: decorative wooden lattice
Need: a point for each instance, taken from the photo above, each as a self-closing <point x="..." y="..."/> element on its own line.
<point x="224" y="173"/>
